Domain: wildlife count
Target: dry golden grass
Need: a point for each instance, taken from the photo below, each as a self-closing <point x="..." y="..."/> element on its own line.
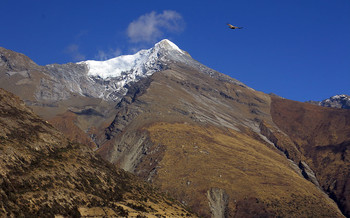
<point x="42" y="174"/>
<point x="133" y="208"/>
<point x="258" y="179"/>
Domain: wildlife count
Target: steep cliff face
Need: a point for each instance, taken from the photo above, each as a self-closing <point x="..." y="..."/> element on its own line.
<point x="42" y="174"/>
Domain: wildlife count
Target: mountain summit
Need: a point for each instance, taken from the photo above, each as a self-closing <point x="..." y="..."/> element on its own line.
<point x="120" y="71"/>
<point x="107" y="80"/>
<point x="130" y="67"/>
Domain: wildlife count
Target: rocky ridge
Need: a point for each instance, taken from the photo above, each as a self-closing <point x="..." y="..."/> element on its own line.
<point x="106" y="80"/>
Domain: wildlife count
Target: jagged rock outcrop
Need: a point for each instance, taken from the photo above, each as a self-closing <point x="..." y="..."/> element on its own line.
<point x="337" y="101"/>
<point x="308" y="173"/>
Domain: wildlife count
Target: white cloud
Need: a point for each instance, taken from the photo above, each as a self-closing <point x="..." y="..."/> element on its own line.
<point x="73" y="51"/>
<point x="152" y="26"/>
<point x="105" y="55"/>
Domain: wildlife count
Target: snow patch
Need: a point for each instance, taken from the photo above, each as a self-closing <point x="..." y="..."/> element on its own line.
<point x="115" y="67"/>
<point x="339" y="96"/>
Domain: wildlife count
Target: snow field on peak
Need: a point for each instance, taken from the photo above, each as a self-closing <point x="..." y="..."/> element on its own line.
<point x="116" y="66"/>
<point x="108" y="79"/>
<point x="339" y="96"/>
<point x="131" y="65"/>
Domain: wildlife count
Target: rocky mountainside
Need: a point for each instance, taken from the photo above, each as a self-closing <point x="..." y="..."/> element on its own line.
<point x="42" y="174"/>
<point x="220" y="147"/>
<point x="197" y="137"/>
<point x="87" y="91"/>
<point x="107" y="80"/>
<point x="337" y="101"/>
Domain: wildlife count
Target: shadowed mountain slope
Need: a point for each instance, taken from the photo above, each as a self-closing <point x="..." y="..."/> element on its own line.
<point x="323" y="137"/>
<point x="42" y="174"/>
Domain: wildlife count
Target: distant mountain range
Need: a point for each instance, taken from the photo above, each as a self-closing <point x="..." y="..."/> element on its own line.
<point x="216" y="145"/>
<point x="337" y="101"/>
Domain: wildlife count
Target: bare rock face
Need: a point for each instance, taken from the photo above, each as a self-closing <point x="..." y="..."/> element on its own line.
<point x="218" y="201"/>
<point x="308" y="173"/>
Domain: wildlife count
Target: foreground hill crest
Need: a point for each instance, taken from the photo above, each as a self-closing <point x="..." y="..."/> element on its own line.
<point x="42" y="174"/>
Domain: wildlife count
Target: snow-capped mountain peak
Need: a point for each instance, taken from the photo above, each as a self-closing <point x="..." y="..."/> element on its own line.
<point x="136" y="65"/>
<point x="109" y="79"/>
<point x="337" y="101"/>
<point x="167" y="45"/>
<point x="340" y="97"/>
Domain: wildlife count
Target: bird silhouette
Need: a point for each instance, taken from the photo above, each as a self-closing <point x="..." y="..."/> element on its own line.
<point x="233" y="27"/>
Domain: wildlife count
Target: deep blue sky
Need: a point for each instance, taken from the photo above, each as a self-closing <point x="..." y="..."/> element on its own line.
<point x="298" y="49"/>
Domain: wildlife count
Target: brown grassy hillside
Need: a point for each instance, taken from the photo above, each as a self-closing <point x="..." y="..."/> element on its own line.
<point x="323" y="137"/>
<point x="201" y="140"/>
<point x="258" y="180"/>
<point x="42" y="174"/>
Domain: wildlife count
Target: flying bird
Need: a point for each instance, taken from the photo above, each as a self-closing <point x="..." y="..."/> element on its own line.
<point x="233" y="27"/>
